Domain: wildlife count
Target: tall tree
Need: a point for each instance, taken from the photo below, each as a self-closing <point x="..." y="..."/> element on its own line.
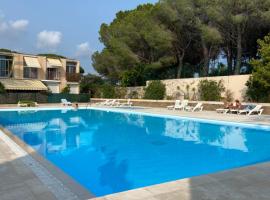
<point x="133" y="38"/>
<point x="178" y="17"/>
<point x="232" y="17"/>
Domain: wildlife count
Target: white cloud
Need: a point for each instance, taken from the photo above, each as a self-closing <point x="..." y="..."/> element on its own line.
<point x="49" y="39"/>
<point x="12" y="27"/>
<point x="83" y="50"/>
<point x="19" y="25"/>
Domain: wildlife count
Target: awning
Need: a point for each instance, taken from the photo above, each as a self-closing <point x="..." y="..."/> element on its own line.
<point x="18" y="84"/>
<point x="31" y="62"/>
<point x="52" y="63"/>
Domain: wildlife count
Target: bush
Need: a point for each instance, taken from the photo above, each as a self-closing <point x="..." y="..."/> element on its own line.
<point x="108" y="91"/>
<point x="155" y="90"/>
<point x="2" y="88"/>
<point x="210" y="90"/>
<point x="28" y="103"/>
<point x="120" y="92"/>
<point x="259" y="83"/>
<point x="66" y="90"/>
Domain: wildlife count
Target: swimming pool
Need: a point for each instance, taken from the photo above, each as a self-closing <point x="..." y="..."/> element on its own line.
<point x="110" y="152"/>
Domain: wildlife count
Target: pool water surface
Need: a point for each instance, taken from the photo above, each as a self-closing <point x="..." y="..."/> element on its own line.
<point x="109" y="152"/>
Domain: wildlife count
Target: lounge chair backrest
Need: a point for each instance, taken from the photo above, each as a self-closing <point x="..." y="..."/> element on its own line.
<point x="63" y="100"/>
<point x="198" y="105"/>
<point x="257" y="108"/>
<point x="177" y="103"/>
<point x="184" y="103"/>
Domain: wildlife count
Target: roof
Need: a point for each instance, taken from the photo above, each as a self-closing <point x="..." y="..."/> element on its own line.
<point x="19" y="84"/>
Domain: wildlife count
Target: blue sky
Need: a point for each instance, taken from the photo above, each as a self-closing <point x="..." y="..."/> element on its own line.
<point x="67" y="27"/>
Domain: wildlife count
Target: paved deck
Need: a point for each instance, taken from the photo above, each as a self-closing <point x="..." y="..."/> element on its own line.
<point x="19" y="181"/>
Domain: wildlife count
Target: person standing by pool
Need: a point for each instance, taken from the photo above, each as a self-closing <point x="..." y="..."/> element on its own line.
<point x="75" y="106"/>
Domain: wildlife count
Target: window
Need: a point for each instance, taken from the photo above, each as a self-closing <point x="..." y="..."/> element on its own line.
<point x="30" y="72"/>
<point x="52" y="74"/>
<point x="71" y="67"/>
<point x="5" y="66"/>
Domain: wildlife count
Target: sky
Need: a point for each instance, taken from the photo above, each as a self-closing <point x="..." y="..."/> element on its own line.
<point x="65" y="27"/>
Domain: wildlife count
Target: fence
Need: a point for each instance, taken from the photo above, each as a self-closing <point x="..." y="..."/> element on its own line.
<point x="14" y="98"/>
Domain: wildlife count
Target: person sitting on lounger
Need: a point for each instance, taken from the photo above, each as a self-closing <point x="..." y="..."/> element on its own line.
<point x="237" y="105"/>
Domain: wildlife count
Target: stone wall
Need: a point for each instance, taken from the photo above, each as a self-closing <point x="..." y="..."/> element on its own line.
<point x="135" y="92"/>
<point x="188" y="87"/>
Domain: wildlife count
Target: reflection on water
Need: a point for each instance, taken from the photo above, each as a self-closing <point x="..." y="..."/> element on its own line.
<point x="226" y="137"/>
<point x="111" y="152"/>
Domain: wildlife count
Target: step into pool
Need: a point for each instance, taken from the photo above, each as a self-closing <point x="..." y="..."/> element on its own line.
<point x="109" y="152"/>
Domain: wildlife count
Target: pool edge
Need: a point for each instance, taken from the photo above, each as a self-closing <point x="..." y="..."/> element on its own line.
<point x="64" y="179"/>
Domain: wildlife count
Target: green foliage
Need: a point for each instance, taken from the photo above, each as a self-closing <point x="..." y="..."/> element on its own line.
<point x="134" y="95"/>
<point x="2" y="88"/>
<point x="133" y="38"/>
<point x="120" y="92"/>
<point x="134" y="77"/>
<point x="108" y="91"/>
<point x="155" y="90"/>
<point x="228" y="97"/>
<point x="66" y="90"/>
<point x="81" y="70"/>
<point x="51" y="55"/>
<point x="7" y="51"/>
<point x="259" y="82"/>
<point x="175" y="38"/>
<point x="91" y="84"/>
<point x="27" y="103"/>
<point x="210" y="90"/>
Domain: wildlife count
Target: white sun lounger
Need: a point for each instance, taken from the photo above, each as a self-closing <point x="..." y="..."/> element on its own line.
<point x="179" y="105"/>
<point x="198" y="107"/>
<point x="104" y="102"/>
<point x="113" y="103"/>
<point x="64" y="102"/>
<point x="223" y="110"/>
<point x="176" y="105"/>
<point x="257" y="110"/>
<point x="127" y="104"/>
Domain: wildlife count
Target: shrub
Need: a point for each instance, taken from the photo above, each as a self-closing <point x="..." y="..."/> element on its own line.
<point x="155" y="90"/>
<point x="107" y="91"/>
<point x="259" y="83"/>
<point x="228" y="96"/>
<point x="210" y="90"/>
<point x="133" y="95"/>
<point x="121" y="92"/>
<point x="66" y="90"/>
<point x="2" y="88"/>
<point x="28" y="103"/>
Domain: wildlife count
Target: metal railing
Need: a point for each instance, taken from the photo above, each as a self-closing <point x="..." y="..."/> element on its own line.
<point x="52" y="75"/>
<point x="73" y="77"/>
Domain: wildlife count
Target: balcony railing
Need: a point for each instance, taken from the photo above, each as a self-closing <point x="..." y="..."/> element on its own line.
<point x="73" y="77"/>
<point x="51" y="75"/>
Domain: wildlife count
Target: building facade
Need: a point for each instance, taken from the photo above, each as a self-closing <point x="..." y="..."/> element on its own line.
<point x="36" y="73"/>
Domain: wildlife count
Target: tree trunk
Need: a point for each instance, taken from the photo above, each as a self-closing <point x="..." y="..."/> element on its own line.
<point x="239" y="51"/>
<point x="229" y="60"/>
<point x="180" y="66"/>
<point x="206" y="59"/>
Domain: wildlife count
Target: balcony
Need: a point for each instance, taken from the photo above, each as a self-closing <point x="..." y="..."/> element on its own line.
<point x="73" y="77"/>
<point x="52" y="74"/>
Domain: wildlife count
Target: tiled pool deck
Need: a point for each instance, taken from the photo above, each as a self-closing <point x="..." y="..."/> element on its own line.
<point x="23" y="177"/>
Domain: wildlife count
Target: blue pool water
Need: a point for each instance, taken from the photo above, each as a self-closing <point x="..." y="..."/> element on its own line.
<point x="110" y="152"/>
